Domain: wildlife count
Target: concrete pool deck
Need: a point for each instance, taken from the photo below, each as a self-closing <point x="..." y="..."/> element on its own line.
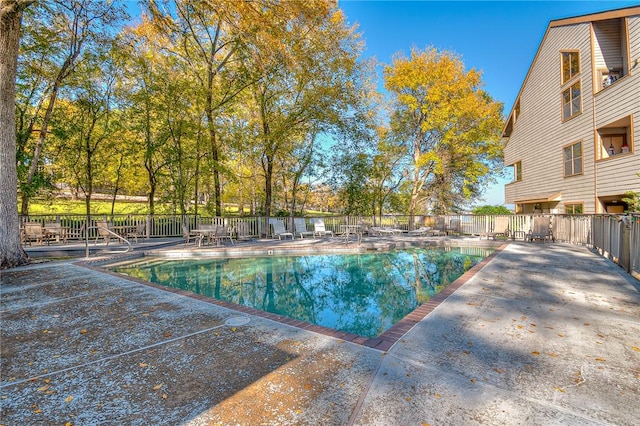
<point x="542" y="334"/>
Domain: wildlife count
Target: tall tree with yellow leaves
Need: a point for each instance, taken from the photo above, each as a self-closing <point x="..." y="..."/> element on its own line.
<point x="449" y="126"/>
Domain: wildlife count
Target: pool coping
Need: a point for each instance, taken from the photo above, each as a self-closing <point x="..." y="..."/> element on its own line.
<point x="382" y="342"/>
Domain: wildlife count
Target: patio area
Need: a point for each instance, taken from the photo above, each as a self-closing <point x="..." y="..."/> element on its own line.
<point x="541" y="334"/>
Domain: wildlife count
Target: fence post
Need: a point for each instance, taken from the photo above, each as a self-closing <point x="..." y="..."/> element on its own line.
<point x="625" y="244"/>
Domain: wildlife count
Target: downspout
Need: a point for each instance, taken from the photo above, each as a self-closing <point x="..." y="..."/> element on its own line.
<point x="596" y="203"/>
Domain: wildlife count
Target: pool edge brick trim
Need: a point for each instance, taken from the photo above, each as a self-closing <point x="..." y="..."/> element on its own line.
<point x="383" y="342"/>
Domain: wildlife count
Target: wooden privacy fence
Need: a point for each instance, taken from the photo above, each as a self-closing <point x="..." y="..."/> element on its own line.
<point x="616" y="237"/>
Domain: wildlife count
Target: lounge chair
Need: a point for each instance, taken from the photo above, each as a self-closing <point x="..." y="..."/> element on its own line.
<point x="279" y="230"/>
<point x="541" y="229"/>
<point x="423" y="230"/>
<point x="319" y="230"/>
<point x="500" y="228"/>
<point x="438" y="228"/>
<point x="454" y="227"/>
<point x="300" y="225"/>
<point x="379" y="232"/>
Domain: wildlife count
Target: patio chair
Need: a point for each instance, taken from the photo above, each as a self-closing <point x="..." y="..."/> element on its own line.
<point x="243" y="231"/>
<point x="540" y="229"/>
<point x="319" y="230"/>
<point x="104" y="231"/>
<point x="279" y="230"/>
<point x="189" y="234"/>
<point x="73" y="233"/>
<point x="34" y="232"/>
<point x="222" y="233"/>
<point x="134" y="232"/>
<point x="54" y="230"/>
<point x="500" y="228"/>
<point x="300" y="225"/>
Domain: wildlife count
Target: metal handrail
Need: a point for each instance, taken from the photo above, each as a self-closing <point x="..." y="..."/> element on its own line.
<point x="86" y="241"/>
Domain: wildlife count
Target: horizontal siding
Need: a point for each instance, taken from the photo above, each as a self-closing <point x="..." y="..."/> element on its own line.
<point x="540" y="135"/>
<point x="619" y="100"/>
<point x="634" y="39"/>
<point x="619" y="174"/>
<point x="606" y="44"/>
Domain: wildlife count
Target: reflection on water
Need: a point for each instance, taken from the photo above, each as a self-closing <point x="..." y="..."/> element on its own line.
<point x="364" y="293"/>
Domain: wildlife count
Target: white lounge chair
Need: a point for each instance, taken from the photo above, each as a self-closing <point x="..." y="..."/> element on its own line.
<point x="319" y="230"/>
<point x="423" y="230"/>
<point x="279" y="230"/>
<point x="300" y="225"/>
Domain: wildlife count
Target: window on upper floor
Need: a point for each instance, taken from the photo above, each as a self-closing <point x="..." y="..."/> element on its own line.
<point x="571" y="101"/>
<point x="573" y="159"/>
<point x="570" y="65"/>
<point x="575" y="208"/>
<point x="615" y="139"/>
<point x="517" y="171"/>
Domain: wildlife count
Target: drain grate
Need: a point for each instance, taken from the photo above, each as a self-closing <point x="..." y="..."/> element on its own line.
<point x="236" y="321"/>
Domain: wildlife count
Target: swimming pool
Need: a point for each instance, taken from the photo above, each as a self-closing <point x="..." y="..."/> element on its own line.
<point x="360" y="293"/>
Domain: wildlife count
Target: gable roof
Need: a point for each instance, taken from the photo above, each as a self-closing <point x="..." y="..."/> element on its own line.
<point x="598" y="16"/>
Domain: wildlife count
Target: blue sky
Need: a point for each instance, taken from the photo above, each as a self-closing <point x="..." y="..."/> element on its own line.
<point x="500" y="38"/>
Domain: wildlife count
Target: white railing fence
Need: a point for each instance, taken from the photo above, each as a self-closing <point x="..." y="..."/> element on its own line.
<point x="616" y="237"/>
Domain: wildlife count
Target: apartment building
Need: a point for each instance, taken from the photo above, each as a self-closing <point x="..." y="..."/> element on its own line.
<point x="573" y="133"/>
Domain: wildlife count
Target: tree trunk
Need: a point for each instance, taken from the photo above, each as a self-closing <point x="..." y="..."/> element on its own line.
<point x="11" y="252"/>
<point x="215" y="159"/>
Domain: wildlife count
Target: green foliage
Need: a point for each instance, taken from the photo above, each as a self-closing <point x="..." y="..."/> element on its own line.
<point x="633" y="200"/>
<point x="491" y="210"/>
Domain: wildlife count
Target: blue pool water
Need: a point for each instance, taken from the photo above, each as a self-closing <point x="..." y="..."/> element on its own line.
<point x="363" y="293"/>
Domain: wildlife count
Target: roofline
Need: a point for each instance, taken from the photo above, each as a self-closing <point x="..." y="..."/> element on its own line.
<point x="597" y="16"/>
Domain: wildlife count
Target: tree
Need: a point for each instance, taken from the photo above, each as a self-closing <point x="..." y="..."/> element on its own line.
<point x="491" y="210"/>
<point x="11" y="252"/>
<point x="86" y="122"/>
<point x="449" y="126"/>
<point x="205" y="37"/>
<point x="72" y="30"/>
<point x="307" y="77"/>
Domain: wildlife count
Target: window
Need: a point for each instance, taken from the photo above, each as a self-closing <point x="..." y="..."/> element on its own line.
<point x="517" y="171"/>
<point x="570" y="65"/>
<point x="571" y="104"/>
<point x="573" y="159"/>
<point x="573" y="208"/>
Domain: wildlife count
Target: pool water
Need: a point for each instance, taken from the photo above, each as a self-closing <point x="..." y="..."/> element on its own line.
<point x="363" y="293"/>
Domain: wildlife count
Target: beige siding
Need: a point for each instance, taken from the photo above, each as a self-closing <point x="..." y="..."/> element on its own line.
<point x="540" y="135"/>
<point x="634" y="41"/>
<point x="618" y="175"/>
<point x="607" y="45"/>
<point x="538" y="138"/>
